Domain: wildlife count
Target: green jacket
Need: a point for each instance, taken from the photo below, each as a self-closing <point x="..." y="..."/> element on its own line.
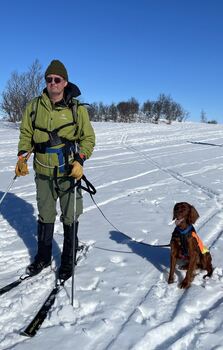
<point x="50" y="117"/>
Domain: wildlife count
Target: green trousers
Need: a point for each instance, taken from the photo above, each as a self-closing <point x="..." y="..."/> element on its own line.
<point x="47" y="196"/>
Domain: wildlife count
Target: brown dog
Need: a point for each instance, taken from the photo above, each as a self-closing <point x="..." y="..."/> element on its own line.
<point x="186" y="244"/>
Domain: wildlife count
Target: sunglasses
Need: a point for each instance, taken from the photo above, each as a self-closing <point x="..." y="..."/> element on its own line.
<point x="56" y="80"/>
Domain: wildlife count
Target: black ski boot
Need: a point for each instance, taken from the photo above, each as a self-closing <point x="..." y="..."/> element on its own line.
<point x="65" y="270"/>
<point x="43" y="256"/>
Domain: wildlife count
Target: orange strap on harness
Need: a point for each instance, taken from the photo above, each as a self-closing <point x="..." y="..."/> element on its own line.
<point x="202" y="247"/>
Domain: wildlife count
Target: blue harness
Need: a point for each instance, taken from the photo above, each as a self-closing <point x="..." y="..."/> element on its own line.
<point x="183" y="238"/>
<point x="186" y="231"/>
<point x="62" y="154"/>
<point x="59" y="152"/>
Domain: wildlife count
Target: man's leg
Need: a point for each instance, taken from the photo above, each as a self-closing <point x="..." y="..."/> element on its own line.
<point x="46" y="202"/>
<point x="44" y="252"/>
<point x="70" y="225"/>
<point x="70" y="232"/>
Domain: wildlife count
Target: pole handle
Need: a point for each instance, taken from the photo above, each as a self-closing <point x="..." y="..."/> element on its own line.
<point x="28" y="155"/>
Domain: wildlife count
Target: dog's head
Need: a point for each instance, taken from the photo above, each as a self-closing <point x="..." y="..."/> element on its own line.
<point x="184" y="214"/>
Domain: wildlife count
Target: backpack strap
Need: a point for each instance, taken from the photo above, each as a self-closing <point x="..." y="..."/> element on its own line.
<point x="73" y="106"/>
<point x="34" y="111"/>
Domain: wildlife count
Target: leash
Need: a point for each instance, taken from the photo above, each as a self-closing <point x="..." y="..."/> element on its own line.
<point x="105" y="217"/>
<point x="88" y="188"/>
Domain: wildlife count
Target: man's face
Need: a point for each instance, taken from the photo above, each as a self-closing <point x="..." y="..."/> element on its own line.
<point x="55" y="84"/>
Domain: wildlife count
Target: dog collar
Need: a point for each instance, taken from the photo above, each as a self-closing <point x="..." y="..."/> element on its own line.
<point x="186" y="231"/>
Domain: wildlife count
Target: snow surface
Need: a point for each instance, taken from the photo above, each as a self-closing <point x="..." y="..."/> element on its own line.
<point x="122" y="299"/>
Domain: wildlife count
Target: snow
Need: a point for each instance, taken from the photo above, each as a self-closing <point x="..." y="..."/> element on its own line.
<point x="122" y="299"/>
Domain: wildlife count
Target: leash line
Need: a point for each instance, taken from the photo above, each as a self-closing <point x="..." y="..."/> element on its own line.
<point x="130" y="238"/>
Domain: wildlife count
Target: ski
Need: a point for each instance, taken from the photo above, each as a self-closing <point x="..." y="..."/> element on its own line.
<point x="41" y="315"/>
<point x="12" y="285"/>
<point x="37" y="321"/>
<point x="15" y="283"/>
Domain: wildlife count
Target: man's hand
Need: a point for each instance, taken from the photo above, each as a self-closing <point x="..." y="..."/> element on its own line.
<point x="21" y="168"/>
<point x="77" y="170"/>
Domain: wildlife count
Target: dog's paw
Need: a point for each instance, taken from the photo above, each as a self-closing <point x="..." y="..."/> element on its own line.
<point x="185" y="284"/>
<point x="170" y="280"/>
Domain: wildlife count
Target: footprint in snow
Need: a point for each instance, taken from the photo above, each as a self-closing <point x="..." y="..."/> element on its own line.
<point x="145" y="231"/>
<point x="217" y="274"/>
<point x="119" y="292"/>
<point x="67" y="316"/>
<point x="117" y="260"/>
<point x="100" y="269"/>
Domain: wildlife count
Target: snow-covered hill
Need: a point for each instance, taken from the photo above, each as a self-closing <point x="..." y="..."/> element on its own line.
<point x="122" y="299"/>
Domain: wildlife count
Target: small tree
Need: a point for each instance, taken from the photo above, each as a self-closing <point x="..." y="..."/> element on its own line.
<point x="157" y="110"/>
<point x="101" y="111"/>
<point x="203" y="117"/>
<point x="127" y="110"/>
<point x="212" y="122"/>
<point x="113" y="112"/>
<point x="133" y="108"/>
<point x="93" y="112"/>
<point x="20" y="89"/>
<point x="147" y="109"/>
<point x="123" y="111"/>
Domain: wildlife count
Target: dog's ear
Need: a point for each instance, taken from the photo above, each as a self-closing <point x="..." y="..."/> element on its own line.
<point x="174" y="208"/>
<point x="193" y="216"/>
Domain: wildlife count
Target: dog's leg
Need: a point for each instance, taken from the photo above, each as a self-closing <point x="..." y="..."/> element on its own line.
<point x="193" y="258"/>
<point x="184" y="267"/>
<point x="207" y="264"/>
<point x="173" y="261"/>
<point x="190" y="274"/>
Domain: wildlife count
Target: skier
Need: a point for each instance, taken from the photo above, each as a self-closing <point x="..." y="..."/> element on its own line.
<point x="58" y="128"/>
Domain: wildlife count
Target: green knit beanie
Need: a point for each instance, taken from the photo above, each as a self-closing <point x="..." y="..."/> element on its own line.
<point x="58" y="68"/>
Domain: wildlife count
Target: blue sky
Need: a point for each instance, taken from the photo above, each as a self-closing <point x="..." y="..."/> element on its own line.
<point x="115" y="49"/>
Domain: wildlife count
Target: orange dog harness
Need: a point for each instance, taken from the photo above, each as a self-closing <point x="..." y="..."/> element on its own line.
<point x="202" y="247"/>
<point x="183" y="234"/>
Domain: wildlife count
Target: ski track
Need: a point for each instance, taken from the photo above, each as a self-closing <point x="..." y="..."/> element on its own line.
<point x="185" y="330"/>
<point x="37" y="288"/>
<point x="169" y="302"/>
<point x="190" y="322"/>
<point x="162" y="342"/>
<point x="12" y="322"/>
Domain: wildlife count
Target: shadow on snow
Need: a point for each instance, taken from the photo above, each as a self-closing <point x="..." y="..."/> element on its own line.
<point x="159" y="257"/>
<point x="20" y="216"/>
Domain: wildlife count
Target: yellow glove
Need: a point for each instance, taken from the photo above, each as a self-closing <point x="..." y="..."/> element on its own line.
<point x="77" y="170"/>
<point x="21" y="168"/>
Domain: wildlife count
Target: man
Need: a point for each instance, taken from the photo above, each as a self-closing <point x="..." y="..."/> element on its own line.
<point x="59" y="130"/>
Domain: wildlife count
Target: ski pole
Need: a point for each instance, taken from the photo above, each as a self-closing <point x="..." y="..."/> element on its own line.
<point x="8" y="189"/>
<point x="74" y="241"/>
<point x="74" y="235"/>
<point x="15" y="177"/>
